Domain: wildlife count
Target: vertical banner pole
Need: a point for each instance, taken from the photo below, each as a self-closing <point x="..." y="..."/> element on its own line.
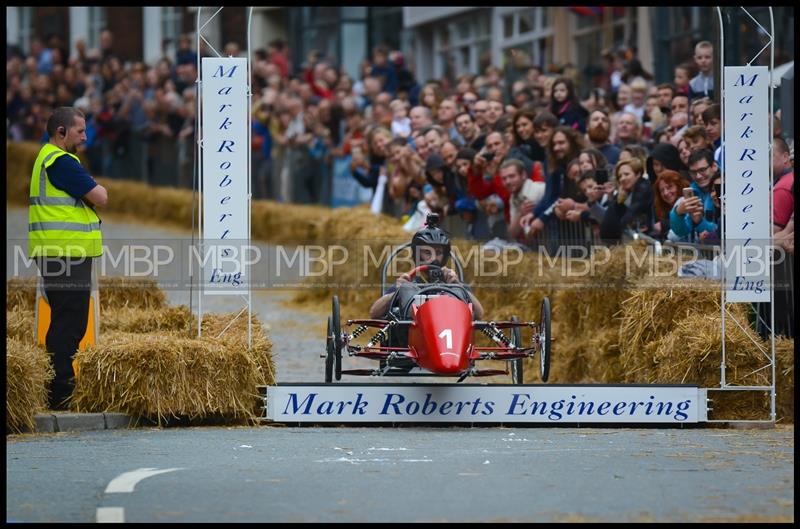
<point x="249" y="173"/>
<point x="196" y="178"/>
<point x="722" y="381"/>
<point x="224" y="107"/>
<point x="771" y="206"/>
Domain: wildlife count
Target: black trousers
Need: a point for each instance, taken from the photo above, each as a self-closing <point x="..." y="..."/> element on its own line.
<point x="68" y="287"/>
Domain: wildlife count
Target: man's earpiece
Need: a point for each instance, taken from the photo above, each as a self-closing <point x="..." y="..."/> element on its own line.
<point x="63" y="131"/>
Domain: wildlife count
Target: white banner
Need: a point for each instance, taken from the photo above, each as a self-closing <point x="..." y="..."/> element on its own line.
<point x="225" y="175"/>
<point x="747" y="162"/>
<point x="343" y="403"/>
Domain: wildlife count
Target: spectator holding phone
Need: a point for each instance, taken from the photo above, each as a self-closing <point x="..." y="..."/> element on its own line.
<point x="668" y="188"/>
<point x="695" y="211"/>
<point x="631" y="208"/>
<point x="598" y="192"/>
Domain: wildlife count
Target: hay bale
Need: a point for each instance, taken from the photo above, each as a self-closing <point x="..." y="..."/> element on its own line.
<point x="21" y="292"/>
<point x="604" y="356"/>
<point x="691" y="354"/>
<point x="114" y="292"/>
<point x="784" y="358"/>
<point x="649" y="313"/>
<point x="118" y="292"/>
<point x="28" y="375"/>
<point x="133" y="319"/>
<point x="20" y="158"/>
<point x="128" y="337"/>
<point x="692" y="351"/>
<point x="167" y="375"/>
<point x="20" y="323"/>
<point x="236" y="337"/>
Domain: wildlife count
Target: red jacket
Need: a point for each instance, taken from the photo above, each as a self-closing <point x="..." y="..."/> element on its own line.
<point x="480" y="188"/>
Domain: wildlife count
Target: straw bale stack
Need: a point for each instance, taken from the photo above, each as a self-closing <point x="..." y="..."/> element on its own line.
<point x="115" y="292"/>
<point x="146" y="364"/>
<point x="148" y="320"/>
<point x="20" y="324"/>
<point x="650" y="312"/>
<point x="167" y="375"/>
<point x="20" y="292"/>
<point x="20" y="158"/>
<point x="28" y="375"/>
<point x="159" y="372"/>
<point x="118" y="292"/>
<point x="784" y="374"/>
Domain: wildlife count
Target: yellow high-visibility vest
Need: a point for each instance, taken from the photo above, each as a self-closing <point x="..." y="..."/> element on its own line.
<point x="59" y="225"/>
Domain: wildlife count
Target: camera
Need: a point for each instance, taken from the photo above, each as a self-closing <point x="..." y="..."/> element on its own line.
<point x="488" y="156"/>
<point x="432" y="220"/>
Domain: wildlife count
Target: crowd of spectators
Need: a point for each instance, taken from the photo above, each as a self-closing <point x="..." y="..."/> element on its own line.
<point x="508" y="156"/>
<point x="512" y="155"/>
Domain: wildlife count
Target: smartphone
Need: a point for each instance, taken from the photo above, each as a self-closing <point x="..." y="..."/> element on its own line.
<point x="601" y="176"/>
<point x="488" y="156"/>
<point x="688" y="192"/>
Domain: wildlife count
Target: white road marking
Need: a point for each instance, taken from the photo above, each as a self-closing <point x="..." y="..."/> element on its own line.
<point x="127" y="482"/>
<point x="110" y="515"/>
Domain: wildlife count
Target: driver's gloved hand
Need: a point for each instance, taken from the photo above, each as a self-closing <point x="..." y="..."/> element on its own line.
<point x="449" y="275"/>
<point x="402" y="280"/>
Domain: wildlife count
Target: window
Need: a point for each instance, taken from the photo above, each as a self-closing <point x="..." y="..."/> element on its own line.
<point x="25" y="28"/>
<point x="596" y="29"/>
<point x="526" y="31"/>
<point x="171" y="20"/>
<point x="97" y="23"/>
<point x="460" y="44"/>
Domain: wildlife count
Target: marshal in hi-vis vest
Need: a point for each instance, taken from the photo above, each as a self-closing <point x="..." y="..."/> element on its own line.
<point x="59" y="225"/>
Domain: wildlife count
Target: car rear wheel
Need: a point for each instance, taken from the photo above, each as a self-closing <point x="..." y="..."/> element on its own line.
<point x="516" y="364"/>
<point x="337" y="337"/>
<point x="544" y="341"/>
<point x="330" y="353"/>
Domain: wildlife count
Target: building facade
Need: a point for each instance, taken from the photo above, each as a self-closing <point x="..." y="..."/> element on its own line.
<point x="437" y="41"/>
<point x="449" y="41"/>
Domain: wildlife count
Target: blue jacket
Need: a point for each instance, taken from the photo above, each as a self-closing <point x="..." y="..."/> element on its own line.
<point x="683" y="226"/>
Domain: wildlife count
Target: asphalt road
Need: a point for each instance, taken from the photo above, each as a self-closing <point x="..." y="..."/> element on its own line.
<point x="406" y="474"/>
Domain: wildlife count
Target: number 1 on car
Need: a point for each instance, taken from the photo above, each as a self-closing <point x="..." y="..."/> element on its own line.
<point x="447" y="334"/>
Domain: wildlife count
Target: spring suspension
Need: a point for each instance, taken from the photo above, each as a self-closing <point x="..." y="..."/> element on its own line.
<point x="358" y="332"/>
<point x="496" y="335"/>
<point x="380" y="335"/>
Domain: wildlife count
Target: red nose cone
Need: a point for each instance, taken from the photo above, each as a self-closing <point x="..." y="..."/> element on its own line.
<point x="441" y="335"/>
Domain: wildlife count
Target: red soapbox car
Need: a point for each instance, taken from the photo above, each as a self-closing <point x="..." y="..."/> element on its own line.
<point x="430" y="332"/>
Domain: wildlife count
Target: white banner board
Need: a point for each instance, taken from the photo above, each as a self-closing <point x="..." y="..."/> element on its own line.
<point x="225" y="175"/>
<point x="451" y="403"/>
<point x="747" y="161"/>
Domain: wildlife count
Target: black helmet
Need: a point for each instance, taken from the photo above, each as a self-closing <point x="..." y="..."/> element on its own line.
<point x="431" y="235"/>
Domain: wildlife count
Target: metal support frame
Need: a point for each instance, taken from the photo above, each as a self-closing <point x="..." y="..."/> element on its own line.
<point x="199" y="168"/>
<point x="724" y="385"/>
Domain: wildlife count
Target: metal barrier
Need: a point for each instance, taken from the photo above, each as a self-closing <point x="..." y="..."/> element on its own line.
<point x="568" y="237"/>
